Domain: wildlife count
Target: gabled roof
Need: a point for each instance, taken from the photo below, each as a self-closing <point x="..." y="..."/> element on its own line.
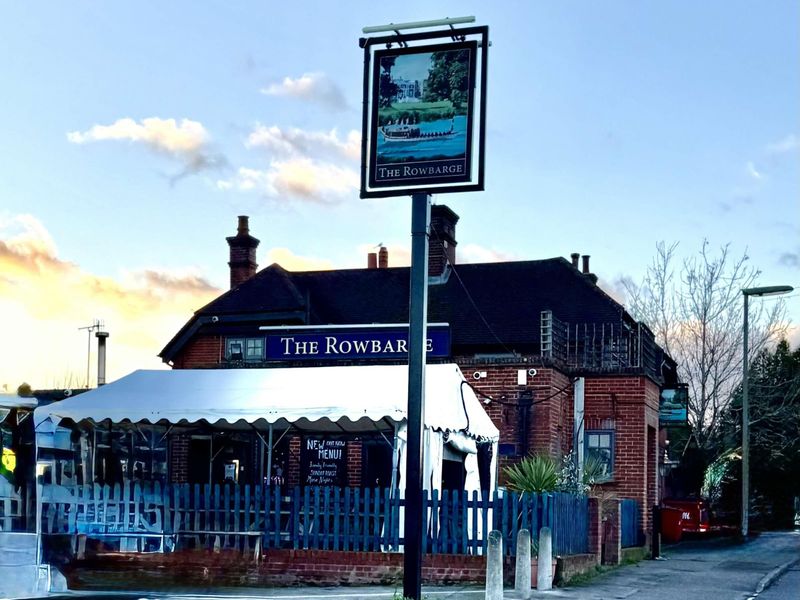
<point x="487" y="305"/>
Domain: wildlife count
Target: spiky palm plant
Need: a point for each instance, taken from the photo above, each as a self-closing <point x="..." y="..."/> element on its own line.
<point x="532" y="474"/>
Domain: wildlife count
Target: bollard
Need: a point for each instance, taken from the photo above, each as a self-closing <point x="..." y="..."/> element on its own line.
<point x="544" y="576"/>
<point x="655" y="552"/>
<point x="494" y="567"/>
<point x="522" y="574"/>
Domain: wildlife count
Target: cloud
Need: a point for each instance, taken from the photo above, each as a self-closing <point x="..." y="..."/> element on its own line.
<point x="174" y="282"/>
<point x="474" y="253"/>
<point x="788" y="144"/>
<point x="616" y="288"/>
<point x="752" y="172"/>
<point x="26" y="246"/>
<point x="793" y="336"/>
<point x="160" y="134"/>
<point x="315" y="87"/>
<point x="187" y="141"/>
<point x="293" y="262"/>
<point x="298" y="142"/>
<point x="790" y="259"/>
<point x="45" y="298"/>
<point x="299" y="178"/>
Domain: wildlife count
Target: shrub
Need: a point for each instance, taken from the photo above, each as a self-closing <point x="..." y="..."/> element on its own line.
<point x="532" y="474"/>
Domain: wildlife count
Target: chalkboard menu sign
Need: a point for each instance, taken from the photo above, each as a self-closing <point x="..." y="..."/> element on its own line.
<point x="323" y="462"/>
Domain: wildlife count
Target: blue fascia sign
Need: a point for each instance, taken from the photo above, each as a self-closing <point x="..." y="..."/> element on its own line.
<point x="348" y="344"/>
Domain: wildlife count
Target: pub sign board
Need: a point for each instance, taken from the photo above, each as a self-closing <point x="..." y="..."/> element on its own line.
<point x="323" y="461"/>
<point x="424" y="108"/>
<point x="674" y="405"/>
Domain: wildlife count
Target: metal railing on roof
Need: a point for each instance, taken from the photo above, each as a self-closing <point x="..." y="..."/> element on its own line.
<point x="618" y="347"/>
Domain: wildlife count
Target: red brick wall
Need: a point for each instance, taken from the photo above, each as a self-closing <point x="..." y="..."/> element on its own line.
<point x="627" y="405"/>
<point x="200" y="352"/>
<point x="549" y="421"/>
<point x="276" y="568"/>
<point x="179" y="458"/>
<point x="293" y="466"/>
<point x="354" y="458"/>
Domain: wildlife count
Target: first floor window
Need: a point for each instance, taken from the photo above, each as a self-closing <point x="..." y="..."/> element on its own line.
<point x="600" y="454"/>
<point x="235" y="349"/>
<point x="251" y="349"/>
<point x="254" y="349"/>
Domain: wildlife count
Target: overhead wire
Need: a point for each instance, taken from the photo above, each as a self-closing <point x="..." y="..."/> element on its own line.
<point x="472" y="300"/>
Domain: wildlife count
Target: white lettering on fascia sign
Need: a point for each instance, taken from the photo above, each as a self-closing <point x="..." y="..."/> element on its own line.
<point x="291" y="346"/>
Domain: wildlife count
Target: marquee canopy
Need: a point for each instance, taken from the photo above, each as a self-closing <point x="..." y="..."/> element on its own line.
<point x="337" y="399"/>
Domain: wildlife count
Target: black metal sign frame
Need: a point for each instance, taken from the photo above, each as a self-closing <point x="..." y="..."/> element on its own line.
<point x="439" y="175"/>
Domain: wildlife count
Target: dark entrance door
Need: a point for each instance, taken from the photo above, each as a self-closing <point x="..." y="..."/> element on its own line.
<point x="376" y="464"/>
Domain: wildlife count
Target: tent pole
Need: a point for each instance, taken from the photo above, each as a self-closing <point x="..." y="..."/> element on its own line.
<point x="38" y="488"/>
<point x="269" y="455"/>
<point x="395" y="461"/>
<point x="210" y="457"/>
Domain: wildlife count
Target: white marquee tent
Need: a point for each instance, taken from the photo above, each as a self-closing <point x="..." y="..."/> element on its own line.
<point x="351" y="399"/>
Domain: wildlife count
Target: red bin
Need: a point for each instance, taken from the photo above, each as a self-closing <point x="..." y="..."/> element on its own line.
<point x="683" y="516"/>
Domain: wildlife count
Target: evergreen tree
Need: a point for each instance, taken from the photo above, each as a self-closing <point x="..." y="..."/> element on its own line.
<point x="774" y="399"/>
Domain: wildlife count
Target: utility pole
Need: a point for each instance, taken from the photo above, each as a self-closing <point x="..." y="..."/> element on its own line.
<point x="773" y="290"/>
<point x="96" y="325"/>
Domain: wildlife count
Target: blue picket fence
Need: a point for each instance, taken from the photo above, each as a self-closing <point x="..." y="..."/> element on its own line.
<point x="326" y="518"/>
<point x="631" y="527"/>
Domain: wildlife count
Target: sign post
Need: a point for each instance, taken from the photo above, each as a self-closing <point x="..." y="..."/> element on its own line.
<point x="423" y="132"/>
<point x="418" y="316"/>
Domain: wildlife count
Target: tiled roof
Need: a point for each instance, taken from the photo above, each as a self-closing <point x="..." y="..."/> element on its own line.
<point x="487" y="305"/>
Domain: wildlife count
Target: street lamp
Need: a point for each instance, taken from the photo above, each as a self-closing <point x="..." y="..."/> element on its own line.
<point x="747" y="292"/>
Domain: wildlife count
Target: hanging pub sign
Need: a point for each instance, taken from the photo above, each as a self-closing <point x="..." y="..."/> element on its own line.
<point x="424" y="113"/>
<point x="673" y="406"/>
<point x="323" y="461"/>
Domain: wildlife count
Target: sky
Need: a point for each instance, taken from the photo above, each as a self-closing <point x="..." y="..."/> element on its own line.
<point x="132" y="134"/>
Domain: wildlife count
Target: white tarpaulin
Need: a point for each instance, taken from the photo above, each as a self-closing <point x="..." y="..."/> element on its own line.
<point x="349" y="398"/>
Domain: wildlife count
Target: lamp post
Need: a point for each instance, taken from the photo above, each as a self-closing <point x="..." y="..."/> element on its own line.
<point x="747" y="292"/>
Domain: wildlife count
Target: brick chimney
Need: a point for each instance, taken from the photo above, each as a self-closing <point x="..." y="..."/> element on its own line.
<point x="442" y="242"/>
<point x="586" y="272"/>
<point x="243" y="253"/>
<point x="383" y="258"/>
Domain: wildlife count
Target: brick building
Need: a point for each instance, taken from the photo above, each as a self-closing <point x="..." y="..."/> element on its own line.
<point x="560" y="364"/>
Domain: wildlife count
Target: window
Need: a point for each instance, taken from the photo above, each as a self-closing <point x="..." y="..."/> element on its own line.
<point x="250" y="349"/>
<point x="600" y="450"/>
<point x="255" y="349"/>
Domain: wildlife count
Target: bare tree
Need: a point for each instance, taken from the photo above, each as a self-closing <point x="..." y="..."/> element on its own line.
<point x="696" y="314"/>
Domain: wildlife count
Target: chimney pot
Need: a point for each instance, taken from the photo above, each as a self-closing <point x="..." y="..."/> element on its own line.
<point x="372" y="260"/>
<point x="575" y="256"/>
<point x="586" y="263"/>
<point x="244" y="226"/>
<point x="383" y="258"/>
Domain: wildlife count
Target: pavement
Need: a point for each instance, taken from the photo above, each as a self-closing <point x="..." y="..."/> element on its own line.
<point x="705" y="570"/>
<point x="786" y="585"/>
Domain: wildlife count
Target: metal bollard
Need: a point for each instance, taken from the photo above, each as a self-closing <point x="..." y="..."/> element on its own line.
<point x="522" y="573"/>
<point x="494" y="567"/>
<point x="655" y="551"/>
<point x="544" y="576"/>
